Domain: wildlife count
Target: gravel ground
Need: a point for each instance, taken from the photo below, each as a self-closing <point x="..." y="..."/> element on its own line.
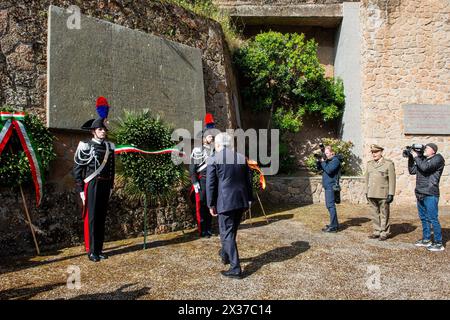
<point x="287" y="258"/>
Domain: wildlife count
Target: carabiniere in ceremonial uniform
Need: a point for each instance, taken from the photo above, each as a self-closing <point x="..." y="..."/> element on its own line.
<point x="197" y="171"/>
<point x="94" y="176"/>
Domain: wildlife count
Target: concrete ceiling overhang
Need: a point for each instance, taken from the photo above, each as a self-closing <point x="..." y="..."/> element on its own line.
<point x="327" y="16"/>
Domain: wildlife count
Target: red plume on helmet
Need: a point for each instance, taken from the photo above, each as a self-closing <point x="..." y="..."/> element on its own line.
<point x="209" y="121"/>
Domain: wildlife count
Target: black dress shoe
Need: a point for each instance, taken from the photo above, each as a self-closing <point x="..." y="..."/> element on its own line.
<point x="93" y="257"/>
<point x="328" y="229"/>
<point x="231" y="274"/>
<point x="103" y="256"/>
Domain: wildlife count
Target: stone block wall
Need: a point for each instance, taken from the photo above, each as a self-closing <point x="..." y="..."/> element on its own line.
<point x="405" y="60"/>
<point x="308" y="190"/>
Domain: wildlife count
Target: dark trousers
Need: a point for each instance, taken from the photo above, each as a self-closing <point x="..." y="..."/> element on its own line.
<point x="97" y="197"/>
<point x="331" y="206"/>
<point x="228" y="226"/>
<point x="205" y="219"/>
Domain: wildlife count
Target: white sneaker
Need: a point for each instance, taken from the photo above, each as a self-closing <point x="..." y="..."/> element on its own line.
<point x="436" y="247"/>
<point x="423" y="243"/>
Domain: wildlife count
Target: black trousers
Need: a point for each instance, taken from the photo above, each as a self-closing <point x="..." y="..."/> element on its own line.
<point x="97" y="197"/>
<point x="228" y="226"/>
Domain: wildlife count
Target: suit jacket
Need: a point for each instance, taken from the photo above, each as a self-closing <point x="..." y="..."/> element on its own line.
<point x="380" y="179"/>
<point x="228" y="181"/>
<point x="330" y="168"/>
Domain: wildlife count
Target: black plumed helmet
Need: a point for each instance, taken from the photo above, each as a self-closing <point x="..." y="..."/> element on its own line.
<point x="94" y="124"/>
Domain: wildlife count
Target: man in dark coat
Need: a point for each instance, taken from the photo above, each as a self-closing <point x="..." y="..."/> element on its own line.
<point x="330" y="164"/>
<point x="94" y="176"/>
<point x="428" y="168"/>
<point x="229" y="194"/>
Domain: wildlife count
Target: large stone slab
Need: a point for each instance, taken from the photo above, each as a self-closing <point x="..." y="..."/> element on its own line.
<point x="426" y="119"/>
<point x="132" y="69"/>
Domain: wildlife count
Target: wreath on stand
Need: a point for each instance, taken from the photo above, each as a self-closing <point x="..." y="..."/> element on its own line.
<point x="258" y="184"/>
<point x="26" y="150"/>
<point x="151" y="176"/>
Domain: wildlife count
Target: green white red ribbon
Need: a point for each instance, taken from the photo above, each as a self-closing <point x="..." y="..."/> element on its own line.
<point x="130" y="149"/>
<point x="13" y="122"/>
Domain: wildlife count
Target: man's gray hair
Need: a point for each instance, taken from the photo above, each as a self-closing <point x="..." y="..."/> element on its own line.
<point x="224" y="139"/>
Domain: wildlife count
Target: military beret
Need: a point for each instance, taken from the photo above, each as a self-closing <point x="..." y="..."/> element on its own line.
<point x="375" y="147"/>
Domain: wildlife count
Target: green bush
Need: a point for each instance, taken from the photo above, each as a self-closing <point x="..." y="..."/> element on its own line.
<point x="14" y="164"/>
<point x="339" y="147"/>
<point x="281" y="73"/>
<point x="153" y="175"/>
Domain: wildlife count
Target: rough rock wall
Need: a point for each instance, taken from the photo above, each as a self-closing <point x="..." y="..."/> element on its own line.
<point x="23" y="44"/>
<point x="405" y="60"/>
<point x="23" y="41"/>
<point x="308" y="190"/>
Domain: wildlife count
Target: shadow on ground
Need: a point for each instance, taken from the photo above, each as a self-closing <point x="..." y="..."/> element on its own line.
<point x="401" y="228"/>
<point x="24" y="292"/>
<point x="24" y="262"/>
<point x="275" y="255"/>
<point x="185" y="237"/>
<point x="118" y="294"/>
<point x="353" y="222"/>
<point x="247" y="224"/>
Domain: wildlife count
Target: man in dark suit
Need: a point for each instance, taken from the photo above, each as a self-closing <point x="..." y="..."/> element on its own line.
<point x="228" y="194"/>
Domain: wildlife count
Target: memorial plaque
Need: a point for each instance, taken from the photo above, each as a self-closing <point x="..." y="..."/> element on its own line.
<point x="132" y="69"/>
<point x="426" y="119"/>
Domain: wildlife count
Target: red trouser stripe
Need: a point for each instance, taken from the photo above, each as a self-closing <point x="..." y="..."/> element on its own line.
<point x="197" y="211"/>
<point x="86" y="218"/>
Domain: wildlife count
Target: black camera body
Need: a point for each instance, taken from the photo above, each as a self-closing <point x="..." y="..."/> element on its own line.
<point x="417" y="147"/>
<point x="321" y="154"/>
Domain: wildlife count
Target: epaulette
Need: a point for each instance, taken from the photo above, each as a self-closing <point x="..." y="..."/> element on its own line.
<point x="84" y="146"/>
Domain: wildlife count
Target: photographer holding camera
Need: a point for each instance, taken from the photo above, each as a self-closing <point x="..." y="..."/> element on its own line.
<point x="427" y="167"/>
<point x="330" y="164"/>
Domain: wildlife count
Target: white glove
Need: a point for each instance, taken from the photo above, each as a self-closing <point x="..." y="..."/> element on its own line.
<point x="197" y="187"/>
<point x="110" y="193"/>
<point x="83" y="198"/>
<point x="249" y="204"/>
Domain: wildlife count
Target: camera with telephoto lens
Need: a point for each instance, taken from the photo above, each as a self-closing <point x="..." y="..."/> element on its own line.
<point x="321" y="154"/>
<point x="417" y="147"/>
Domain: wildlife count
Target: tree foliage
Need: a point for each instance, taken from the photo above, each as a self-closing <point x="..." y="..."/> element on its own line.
<point x="281" y="73"/>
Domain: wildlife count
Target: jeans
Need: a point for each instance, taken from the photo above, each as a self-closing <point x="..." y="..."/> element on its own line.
<point x="428" y="214"/>
<point x="331" y="206"/>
